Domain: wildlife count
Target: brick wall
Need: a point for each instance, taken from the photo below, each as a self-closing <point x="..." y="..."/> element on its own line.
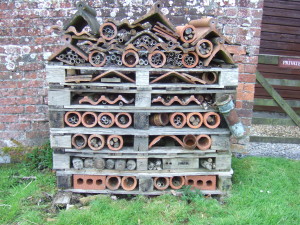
<point x="26" y="41"/>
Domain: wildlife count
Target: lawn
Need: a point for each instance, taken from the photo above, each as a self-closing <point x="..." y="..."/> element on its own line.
<point x="265" y="191"/>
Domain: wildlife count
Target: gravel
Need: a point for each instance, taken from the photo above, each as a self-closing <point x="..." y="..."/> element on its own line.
<point x="289" y="151"/>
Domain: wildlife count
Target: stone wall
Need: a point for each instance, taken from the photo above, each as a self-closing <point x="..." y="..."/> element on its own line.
<point x="26" y="41"/>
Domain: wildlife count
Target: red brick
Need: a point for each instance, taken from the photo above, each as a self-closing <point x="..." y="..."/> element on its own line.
<point x="30" y="100"/>
<point x="245" y="96"/>
<point x="31" y="84"/>
<point x="246" y="121"/>
<point x="33" y="117"/>
<point x="250" y="68"/>
<point x="32" y="66"/>
<point x="9" y="118"/>
<point x="11" y="109"/>
<point x="248" y="78"/>
<point x="40" y="126"/>
<point x="30" y="109"/>
<point x="238" y="104"/>
<point x="8" y="101"/>
<point x="245" y="112"/>
<point x="2" y="126"/>
<point x="36" y="134"/>
<point x="18" y="126"/>
<point x="247" y="105"/>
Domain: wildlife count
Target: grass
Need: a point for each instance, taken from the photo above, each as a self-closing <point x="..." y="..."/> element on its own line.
<point x="265" y="191"/>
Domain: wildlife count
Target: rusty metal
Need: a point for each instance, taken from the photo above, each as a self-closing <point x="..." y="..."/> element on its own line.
<point x="159" y="119"/>
<point x="115" y="142"/>
<point x="96" y="142"/>
<point x="79" y="141"/>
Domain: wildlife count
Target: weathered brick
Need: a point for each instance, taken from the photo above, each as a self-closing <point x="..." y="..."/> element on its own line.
<point x="11" y="109"/>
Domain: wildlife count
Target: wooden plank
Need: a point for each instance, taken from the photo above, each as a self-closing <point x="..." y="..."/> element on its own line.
<point x="278" y="52"/>
<point x="283" y="91"/>
<point x="223" y="162"/>
<point x="271" y="102"/>
<point x="142" y="77"/>
<point x="60" y="141"/>
<point x="59" y="97"/>
<point x="277" y="70"/>
<point x="274" y="139"/>
<point x="283" y="21"/>
<point x="219" y="142"/>
<point x="141" y="142"/>
<point x="273" y="121"/>
<point x="229" y="78"/>
<point x="284" y="82"/>
<point x="131" y="131"/>
<point x="293" y="5"/>
<point x="279" y="45"/>
<point x="143" y="99"/>
<point x="286" y="13"/>
<point x="56" y="119"/>
<point x="55" y="74"/>
<point x="278" y="98"/>
<point x="61" y="161"/>
<point x="285" y="38"/>
<point x="141" y="120"/>
<point x="149" y="173"/>
<point x="64" y="181"/>
<point x="268" y="59"/>
<point x="280" y="29"/>
<point x="181" y="163"/>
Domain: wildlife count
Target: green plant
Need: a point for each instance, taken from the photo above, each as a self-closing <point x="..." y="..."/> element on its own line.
<point x="189" y="194"/>
<point x="40" y="157"/>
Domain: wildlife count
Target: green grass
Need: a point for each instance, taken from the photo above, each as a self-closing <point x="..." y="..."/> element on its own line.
<point x="265" y="191"/>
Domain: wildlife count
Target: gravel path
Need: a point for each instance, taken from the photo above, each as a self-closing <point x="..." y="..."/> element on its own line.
<point x="289" y="151"/>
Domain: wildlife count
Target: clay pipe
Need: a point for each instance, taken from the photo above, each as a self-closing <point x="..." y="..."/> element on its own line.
<point x="159" y="119"/>
<point x="73" y="119"/>
<point x="203" y="142"/>
<point x="115" y="142"/>
<point x="106" y="119"/>
<point x="178" y="120"/>
<point x="130" y="58"/>
<point x="190" y="60"/>
<point x="226" y="107"/>
<point x="157" y="59"/>
<point x="211" y="120"/>
<point x="89" y="119"/>
<point x="108" y="31"/>
<point x="194" y="120"/>
<point x="204" y="48"/>
<point x="96" y="142"/>
<point x="129" y="183"/>
<point x="161" y="183"/>
<point x="186" y="33"/>
<point x="97" y="58"/>
<point x="210" y="77"/>
<point x="79" y="141"/>
<point x="189" y="142"/>
<point x="123" y="120"/>
<point x="113" y="182"/>
<point x="177" y="182"/>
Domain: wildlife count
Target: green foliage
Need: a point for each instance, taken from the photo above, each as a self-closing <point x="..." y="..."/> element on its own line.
<point x="189" y="194"/>
<point x="16" y="153"/>
<point x="40" y="157"/>
<point x="265" y="191"/>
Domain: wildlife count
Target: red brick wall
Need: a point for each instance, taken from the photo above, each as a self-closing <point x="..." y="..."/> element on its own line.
<point x="26" y="41"/>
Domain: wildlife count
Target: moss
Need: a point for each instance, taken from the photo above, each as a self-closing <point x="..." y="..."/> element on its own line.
<point x="16" y="153"/>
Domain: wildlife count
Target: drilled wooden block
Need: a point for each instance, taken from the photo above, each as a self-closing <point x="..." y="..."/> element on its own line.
<point x="141" y="120"/>
<point x="141" y="143"/>
<point x="89" y="182"/>
<point x="142" y="164"/>
<point x="181" y="163"/>
<point x="59" y="97"/>
<point x="202" y="182"/>
<point x="219" y="142"/>
<point x="56" y="119"/>
<point x="64" y="181"/>
<point x="60" y="141"/>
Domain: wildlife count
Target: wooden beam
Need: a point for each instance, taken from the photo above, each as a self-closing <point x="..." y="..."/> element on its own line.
<point x="268" y="59"/>
<point x="272" y="102"/>
<point x="284" y="82"/>
<point x="281" y="102"/>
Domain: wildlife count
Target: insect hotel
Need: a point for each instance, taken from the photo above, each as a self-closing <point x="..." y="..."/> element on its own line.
<point x="142" y="107"/>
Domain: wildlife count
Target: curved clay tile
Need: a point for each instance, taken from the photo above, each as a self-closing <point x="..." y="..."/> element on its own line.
<point x="158" y="138"/>
<point x="192" y="98"/>
<point x="86" y="99"/>
<point x="112" y="72"/>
